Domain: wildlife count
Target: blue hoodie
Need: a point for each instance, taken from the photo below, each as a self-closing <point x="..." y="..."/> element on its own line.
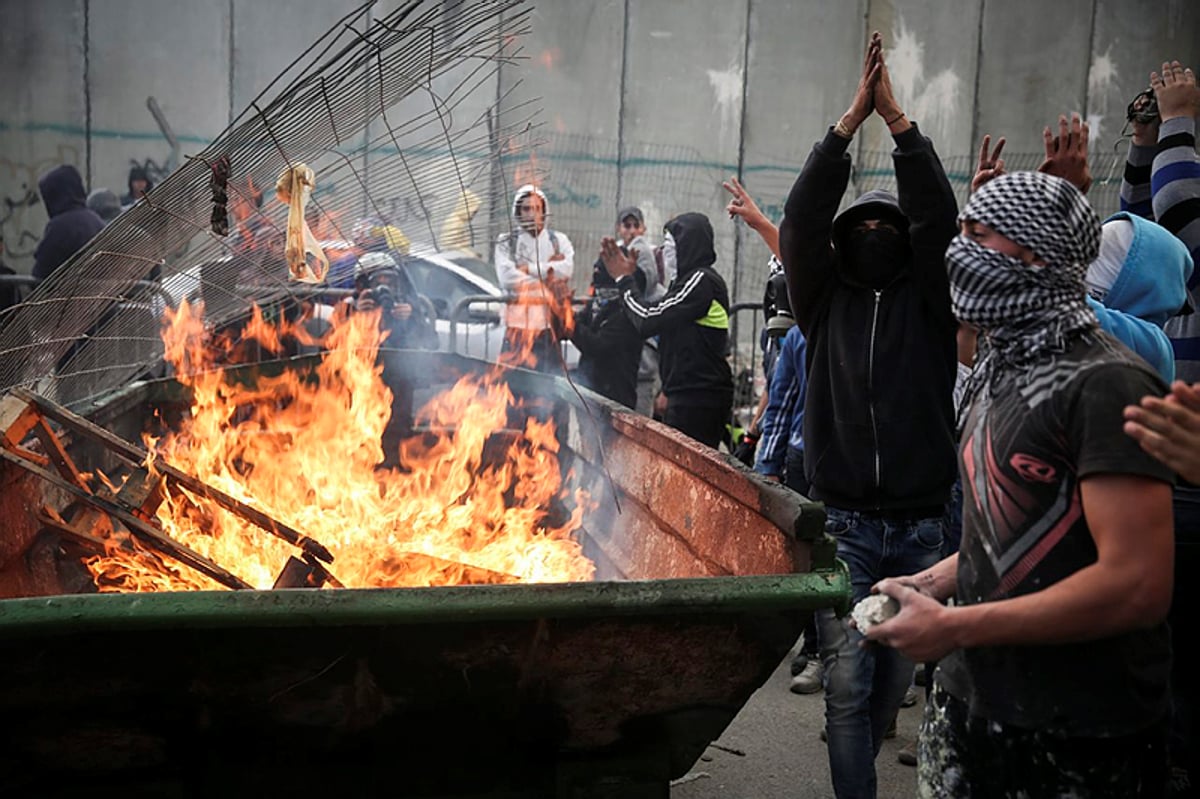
<point x="72" y="224"/>
<point x="1150" y="288"/>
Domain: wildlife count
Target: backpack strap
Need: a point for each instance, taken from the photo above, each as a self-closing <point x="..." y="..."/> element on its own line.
<point x="512" y="243"/>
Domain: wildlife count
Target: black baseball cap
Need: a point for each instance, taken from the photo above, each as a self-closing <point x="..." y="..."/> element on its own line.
<point x="628" y="211"/>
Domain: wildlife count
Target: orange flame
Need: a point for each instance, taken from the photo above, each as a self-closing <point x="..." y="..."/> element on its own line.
<point x="306" y="450"/>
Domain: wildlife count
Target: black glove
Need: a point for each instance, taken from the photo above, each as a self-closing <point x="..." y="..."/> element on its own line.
<point x="744" y="451"/>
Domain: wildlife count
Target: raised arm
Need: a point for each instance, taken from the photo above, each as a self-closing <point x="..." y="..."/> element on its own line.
<point x="1135" y="181"/>
<point x="743" y="206"/>
<point x="805" y="245"/>
<point x="687" y="302"/>
<point x="1067" y="153"/>
<point x="925" y="197"/>
<point x="1175" y="180"/>
<point x="990" y="165"/>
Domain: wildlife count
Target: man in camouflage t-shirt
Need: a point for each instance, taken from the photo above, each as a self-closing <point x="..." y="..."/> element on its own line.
<point x="1055" y="657"/>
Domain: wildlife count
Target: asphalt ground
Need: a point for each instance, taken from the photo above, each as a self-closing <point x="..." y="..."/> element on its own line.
<point x="778" y="753"/>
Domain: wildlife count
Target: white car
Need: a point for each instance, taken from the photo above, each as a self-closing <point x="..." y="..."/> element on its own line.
<point x="449" y="278"/>
<point x="446" y="279"/>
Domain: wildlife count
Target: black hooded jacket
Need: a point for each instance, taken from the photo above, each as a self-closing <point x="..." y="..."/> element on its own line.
<point x="72" y="224"/>
<point x="136" y="173"/>
<point x="881" y="363"/>
<point x="691" y="320"/>
<point x="610" y="348"/>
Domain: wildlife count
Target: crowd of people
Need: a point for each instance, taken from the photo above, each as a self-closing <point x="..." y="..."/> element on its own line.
<point x="996" y="407"/>
<point x="1040" y="342"/>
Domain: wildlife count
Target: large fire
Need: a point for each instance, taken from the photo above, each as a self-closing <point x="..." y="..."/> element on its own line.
<point x="305" y="449"/>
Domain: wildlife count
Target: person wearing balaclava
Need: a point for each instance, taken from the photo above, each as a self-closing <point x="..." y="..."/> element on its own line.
<point x="1054" y="659"/>
<point x="535" y="263"/>
<point x="869" y="292"/>
<point x="71" y="225"/>
<point x="692" y="323"/>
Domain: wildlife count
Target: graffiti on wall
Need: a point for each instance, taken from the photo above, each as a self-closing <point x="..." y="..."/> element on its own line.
<point x="22" y="216"/>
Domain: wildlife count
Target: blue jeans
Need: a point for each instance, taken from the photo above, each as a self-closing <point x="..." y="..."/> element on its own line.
<point x="865" y="685"/>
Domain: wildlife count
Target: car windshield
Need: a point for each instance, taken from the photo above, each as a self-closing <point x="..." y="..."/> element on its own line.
<point x="474" y="265"/>
<point x="441" y="285"/>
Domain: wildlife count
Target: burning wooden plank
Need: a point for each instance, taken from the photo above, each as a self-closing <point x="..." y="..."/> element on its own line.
<point x="136" y="454"/>
<point x="144" y="531"/>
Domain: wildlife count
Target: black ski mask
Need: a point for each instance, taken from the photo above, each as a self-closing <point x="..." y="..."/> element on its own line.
<point x="874" y="257"/>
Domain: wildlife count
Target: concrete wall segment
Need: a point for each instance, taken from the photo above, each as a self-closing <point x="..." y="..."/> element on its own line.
<point x="1026" y="77"/>
<point x="681" y="123"/>
<point x="43" y="112"/>
<point x="177" y="54"/>
<point x="687" y="74"/>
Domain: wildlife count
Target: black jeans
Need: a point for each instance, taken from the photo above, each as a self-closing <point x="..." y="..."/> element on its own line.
<point x="793" y="470"/>
<point x="706" y="425"/>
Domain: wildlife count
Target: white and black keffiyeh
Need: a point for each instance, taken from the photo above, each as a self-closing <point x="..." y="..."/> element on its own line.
<point x="1022" y="310"/>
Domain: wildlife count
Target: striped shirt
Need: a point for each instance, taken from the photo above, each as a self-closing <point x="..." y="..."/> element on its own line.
<point x="1163" y="183"/>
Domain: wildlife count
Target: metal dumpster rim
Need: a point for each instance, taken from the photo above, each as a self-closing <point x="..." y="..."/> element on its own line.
<point x="65" y="613"/>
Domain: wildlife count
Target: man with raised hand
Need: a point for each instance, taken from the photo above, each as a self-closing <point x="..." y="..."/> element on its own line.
<point x="691" y="321"/>
<point x="869" y="291"/>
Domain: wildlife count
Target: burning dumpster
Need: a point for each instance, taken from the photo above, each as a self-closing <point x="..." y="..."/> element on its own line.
<point x="607" y="686"/>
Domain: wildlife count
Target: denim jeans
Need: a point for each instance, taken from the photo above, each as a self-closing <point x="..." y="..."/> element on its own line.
<point x="865" y="685"/>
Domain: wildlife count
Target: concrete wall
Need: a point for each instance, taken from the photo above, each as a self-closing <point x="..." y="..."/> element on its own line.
<point x="43" y="112"/>
<point x="652" y="102"/>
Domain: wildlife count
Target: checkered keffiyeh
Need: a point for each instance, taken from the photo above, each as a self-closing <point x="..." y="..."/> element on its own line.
<point x="1022" y="310"/>
<point x="1044" y="213"/>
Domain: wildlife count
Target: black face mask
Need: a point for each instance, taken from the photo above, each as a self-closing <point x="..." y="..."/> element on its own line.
<point x="874" y="257"/>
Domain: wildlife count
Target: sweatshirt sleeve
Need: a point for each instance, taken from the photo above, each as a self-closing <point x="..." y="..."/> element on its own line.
<point x="776" y="424"/>
<point x="685" y="304"/>
<point x="805" y="234"/>
<point x="506" y="270"/>
<point x="928" y="201"/>
<point x="1175" y="184"/>
<point x="1135" y="182"/>
<point x="1144" y="338"/>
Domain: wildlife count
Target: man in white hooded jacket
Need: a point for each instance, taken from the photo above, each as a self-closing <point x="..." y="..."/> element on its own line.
<point x="533" y="262"/>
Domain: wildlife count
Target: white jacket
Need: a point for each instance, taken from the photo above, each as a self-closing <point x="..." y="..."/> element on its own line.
<point x="533" y="255"/>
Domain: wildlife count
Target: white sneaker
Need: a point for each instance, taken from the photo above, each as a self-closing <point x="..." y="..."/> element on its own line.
<point x="810" y="680"/>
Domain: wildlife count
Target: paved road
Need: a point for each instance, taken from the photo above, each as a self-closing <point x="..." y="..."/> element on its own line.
<point x="784" y="757"/>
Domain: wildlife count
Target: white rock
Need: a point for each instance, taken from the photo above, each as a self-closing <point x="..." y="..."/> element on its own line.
<point x="875" y="609"/>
